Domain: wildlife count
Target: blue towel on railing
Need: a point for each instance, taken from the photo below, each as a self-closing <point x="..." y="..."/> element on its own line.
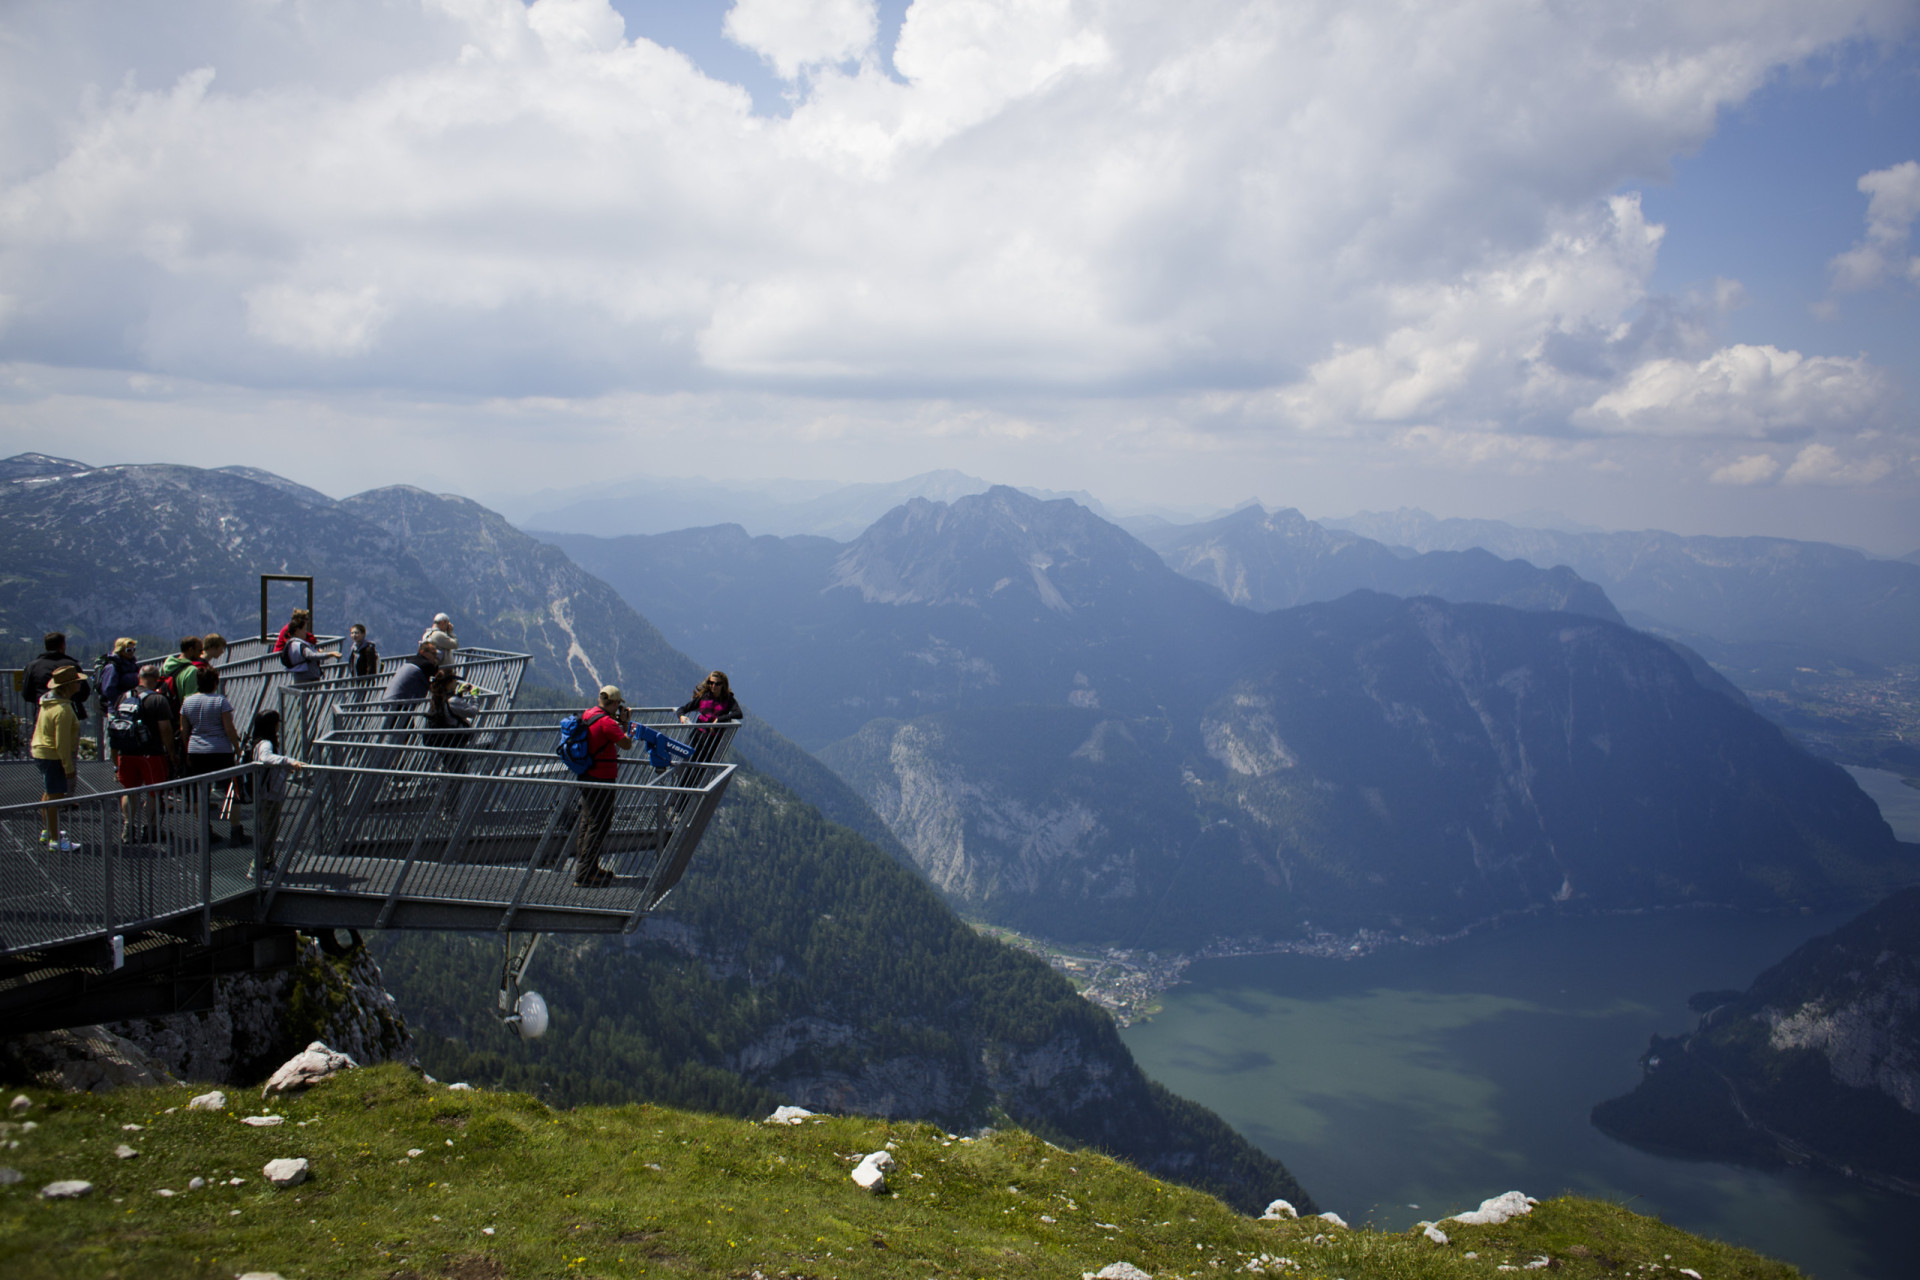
<point x="660" y="748"/>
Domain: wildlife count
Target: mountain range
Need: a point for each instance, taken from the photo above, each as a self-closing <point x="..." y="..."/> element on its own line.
<point x="1071" y="738"/>
<point x="1269" y="560"/>
<point x="800" y="958"/>
<point x="1762" y="591"/>
<point x="649" y="504"/>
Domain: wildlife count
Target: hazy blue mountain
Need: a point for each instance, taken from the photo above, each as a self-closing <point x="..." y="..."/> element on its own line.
<point x="1817" y="1062"/>
<point x="996" y="599"/>
<point x="1912" y="557"/>
<point x="1744" y="590"/>
<point x="1270" y="560"/>
<point x="782" y="508"/>
<point x="1070" y="737"/>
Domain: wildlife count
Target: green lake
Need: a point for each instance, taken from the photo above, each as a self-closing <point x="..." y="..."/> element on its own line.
<point x="1415" y="1082"/>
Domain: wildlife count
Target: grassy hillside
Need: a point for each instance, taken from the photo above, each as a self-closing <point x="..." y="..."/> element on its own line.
<point x="799" y="963"/>
<point x="411" y="1180"/>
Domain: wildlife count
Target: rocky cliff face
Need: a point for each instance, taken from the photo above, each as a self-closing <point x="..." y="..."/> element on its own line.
<point x="1408" y="766"/>
<point x="259" y="1021"/>
<point x="1818" y="1061"/>
<point x="256" y="1023"/>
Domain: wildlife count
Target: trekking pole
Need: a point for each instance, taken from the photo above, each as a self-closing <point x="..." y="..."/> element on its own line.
<point x="226" y="805"/>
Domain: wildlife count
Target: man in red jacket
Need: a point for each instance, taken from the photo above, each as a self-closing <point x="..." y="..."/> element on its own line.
<point x="606" y="737"/>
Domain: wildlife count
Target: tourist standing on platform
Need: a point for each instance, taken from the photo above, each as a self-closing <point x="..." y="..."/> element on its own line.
<point x="206" y="722"/>
<point x="712" y="703"/>
<point x="440" y="636"/>
<point x="115" y="676"/>
<point x="180" y="673"/>
<point x="606" y="737"/>
<point x="299" y="624"/>
<point x="140" y="723"/>
<point x="304" y="658"/>
<point x="56" y="748"/>
<point x="445" y="713"/>
<point x="38" y="677"/>
<point x="272" y="791"/>
<point x="362" y="658"/>
<point x="411" y="680"/>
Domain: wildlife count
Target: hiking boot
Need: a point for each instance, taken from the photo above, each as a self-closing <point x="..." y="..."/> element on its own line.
<point x="598" y="878"/>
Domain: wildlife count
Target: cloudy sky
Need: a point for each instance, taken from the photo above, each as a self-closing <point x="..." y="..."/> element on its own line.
<point x="1638" y="262"/>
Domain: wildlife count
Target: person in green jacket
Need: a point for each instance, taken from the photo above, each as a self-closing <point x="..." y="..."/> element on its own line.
<point x="56" y="749"/>
<point x="183" y="668"/>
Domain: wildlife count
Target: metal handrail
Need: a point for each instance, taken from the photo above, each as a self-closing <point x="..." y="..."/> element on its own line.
<point x="105" y="883"/>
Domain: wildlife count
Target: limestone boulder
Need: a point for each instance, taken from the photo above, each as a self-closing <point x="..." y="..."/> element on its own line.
<point x="287" y="1173"/>
<point x="307" y="1068"/>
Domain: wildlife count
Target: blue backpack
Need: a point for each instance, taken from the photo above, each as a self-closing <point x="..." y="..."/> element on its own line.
<point x="575" y="748"/>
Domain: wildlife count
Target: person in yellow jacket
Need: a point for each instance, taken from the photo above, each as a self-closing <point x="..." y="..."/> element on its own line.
<point x="56" y="747"/>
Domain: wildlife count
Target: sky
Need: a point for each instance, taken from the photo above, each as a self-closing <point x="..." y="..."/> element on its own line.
<point x="1636" y="263"/>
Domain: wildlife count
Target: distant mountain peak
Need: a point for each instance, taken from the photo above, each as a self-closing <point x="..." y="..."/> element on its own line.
<point x="1001" y="544"/>
<point x="39" y="466"/>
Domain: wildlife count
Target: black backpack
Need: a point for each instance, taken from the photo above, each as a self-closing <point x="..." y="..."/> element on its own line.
<point x="128" y="733"/>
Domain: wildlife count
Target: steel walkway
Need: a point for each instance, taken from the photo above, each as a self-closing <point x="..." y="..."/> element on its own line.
<point x="389" y="826"/>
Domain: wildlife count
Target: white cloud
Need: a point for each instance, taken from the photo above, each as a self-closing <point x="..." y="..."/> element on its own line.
<point x="1823" y="464"/>
<point x="793" y="35"/>
<point x="331" y="322"/>
<point x="1892" y="205"/>
<point x="1280" y="217"/>
<point x="1744" y="390"/>
<point x="1754" y="468"/>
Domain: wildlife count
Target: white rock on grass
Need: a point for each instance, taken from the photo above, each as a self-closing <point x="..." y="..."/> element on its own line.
<point x="1116" y="1271"/>
<point x="871" y="1172"/>
<point x="194" y="1184"/>
<point x="261" y="1275"/>
<point x="1334" y="1218"/>
<point x="69" y="1189"/>
<point x="125" y="1152"/>
<point x="1433" y="1233"/>
<point x="789" y="1115"/>
<point x="286" y="1173"/>
<point x="263" y="1122"/>
<point x="20" y="1105"/>
<point x="9" y="1176"/>
<point x="308" y="1067"/>
<point x="1279" y="1211"/>
<point x="215" y="1101"/>
<point x="1492" y="1213"/>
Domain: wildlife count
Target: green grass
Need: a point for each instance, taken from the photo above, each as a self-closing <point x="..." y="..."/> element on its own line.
<point x="645" y="1191"/>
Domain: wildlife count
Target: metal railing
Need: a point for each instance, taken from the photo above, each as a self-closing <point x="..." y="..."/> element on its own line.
<point x="406" y="827"/>
<point x="258" y="680"/>
<point x="532" y="731"/>
<point x="118" y="862"/>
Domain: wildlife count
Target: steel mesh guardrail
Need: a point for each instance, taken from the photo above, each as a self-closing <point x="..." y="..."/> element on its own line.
<point x="400" y="828"/>
<point x="118" y="869"/>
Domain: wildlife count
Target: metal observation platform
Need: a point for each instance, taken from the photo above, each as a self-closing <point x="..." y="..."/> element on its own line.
<point x="143" y="896"/>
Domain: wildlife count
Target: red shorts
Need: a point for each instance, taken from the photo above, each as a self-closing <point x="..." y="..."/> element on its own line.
<point x="140" y="771"/>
